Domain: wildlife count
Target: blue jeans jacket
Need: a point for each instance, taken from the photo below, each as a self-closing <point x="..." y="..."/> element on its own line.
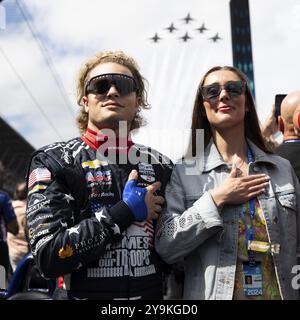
<point x="192" y="229"/>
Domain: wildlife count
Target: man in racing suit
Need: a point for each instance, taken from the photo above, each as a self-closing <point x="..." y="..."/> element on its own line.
<point x="93" y="201"/>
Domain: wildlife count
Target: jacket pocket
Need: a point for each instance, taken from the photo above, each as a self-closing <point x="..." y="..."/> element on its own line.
<point x="288" y="216"/>
<point x="288" y="202"/>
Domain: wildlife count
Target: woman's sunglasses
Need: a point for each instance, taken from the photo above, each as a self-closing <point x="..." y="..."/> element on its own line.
<point x="233" y="88"/>
<point x="101" y="84"/>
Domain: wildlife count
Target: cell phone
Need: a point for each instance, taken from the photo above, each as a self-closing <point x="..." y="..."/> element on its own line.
<point x="278" y="100"/>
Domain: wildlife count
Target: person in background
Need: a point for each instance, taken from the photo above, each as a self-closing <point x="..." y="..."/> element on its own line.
<point x="269" y="129"/>
<point x="93" y="201"/>
<point x="238" y="214"/>
<point x="290" y="147"/>
<point x="17" y="244"/>
<point x="296" y="121"/>
<point x="8" y="223"/>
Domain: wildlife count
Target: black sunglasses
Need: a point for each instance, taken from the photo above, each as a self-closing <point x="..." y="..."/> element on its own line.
<point x="102" y="83"/>
<point x="233" y="88"/>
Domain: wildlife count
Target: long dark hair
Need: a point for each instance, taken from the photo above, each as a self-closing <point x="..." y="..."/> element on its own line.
<point x="199" y="121"/>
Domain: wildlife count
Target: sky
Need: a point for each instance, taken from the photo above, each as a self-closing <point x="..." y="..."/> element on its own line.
<point x="40" y="58"/>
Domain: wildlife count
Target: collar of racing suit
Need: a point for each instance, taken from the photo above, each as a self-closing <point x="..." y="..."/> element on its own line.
<point x="96" y="139"/>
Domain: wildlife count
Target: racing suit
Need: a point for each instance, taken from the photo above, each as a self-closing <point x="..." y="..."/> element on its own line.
<point x="79" y="226"/>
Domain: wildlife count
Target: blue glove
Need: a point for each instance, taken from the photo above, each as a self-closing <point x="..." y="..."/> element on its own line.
<point x="134" y="197"/>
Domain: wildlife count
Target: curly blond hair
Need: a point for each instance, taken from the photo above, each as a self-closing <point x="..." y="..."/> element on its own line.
<point x="103" y="57"/>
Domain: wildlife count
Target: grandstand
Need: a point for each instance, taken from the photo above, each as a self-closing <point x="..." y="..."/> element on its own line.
<point x="15" y="152"/>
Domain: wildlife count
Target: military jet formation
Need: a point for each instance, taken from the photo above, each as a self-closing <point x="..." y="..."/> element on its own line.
<point x="156" y="38"/>
<point x="202" y="28"/>
<point x="171" y="28"/>
<point x="186" y="36"/>
<point x="215" y="38"/>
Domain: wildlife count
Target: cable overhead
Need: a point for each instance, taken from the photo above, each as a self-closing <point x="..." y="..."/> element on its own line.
<point x="47" y="58"/>
<point x="30" y="93"/>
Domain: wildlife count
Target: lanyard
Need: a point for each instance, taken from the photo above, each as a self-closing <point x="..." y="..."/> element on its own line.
<point x="250" y="230"/>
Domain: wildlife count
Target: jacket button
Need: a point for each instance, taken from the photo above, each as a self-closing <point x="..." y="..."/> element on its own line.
<point x="275" y="220"/>
<point x="220" y="236"/>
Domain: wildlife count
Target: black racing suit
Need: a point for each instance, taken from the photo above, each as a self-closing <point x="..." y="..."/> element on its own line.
<point x="79" y="226"/>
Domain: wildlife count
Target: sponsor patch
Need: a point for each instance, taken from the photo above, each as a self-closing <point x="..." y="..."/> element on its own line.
<point x="32" y="234"/>
<point x="36" y="198"/>
<point x="65" y="252"/>
<point x="38" y="218"/>
<point x="41" y="242"/>
<point x="36" y="188"/>
<point x="37" y="202"/>
<point x="147" y="172"/>
<point x="39" y="175"/>
<point x="99" y="176"/>
<point x="90" y="243"/>
<point x="94" y="164"/>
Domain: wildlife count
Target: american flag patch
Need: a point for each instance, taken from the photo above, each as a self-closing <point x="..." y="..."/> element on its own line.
<point x="38" y="175"/>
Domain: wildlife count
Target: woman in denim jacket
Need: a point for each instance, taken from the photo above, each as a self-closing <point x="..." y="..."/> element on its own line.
<point x="235" y="220"/>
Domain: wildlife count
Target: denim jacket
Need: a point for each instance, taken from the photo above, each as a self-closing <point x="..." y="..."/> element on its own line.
<point x="192" y="229"/>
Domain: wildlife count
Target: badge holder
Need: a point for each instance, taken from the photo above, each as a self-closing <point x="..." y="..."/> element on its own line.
<point x="252" y="276"/>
